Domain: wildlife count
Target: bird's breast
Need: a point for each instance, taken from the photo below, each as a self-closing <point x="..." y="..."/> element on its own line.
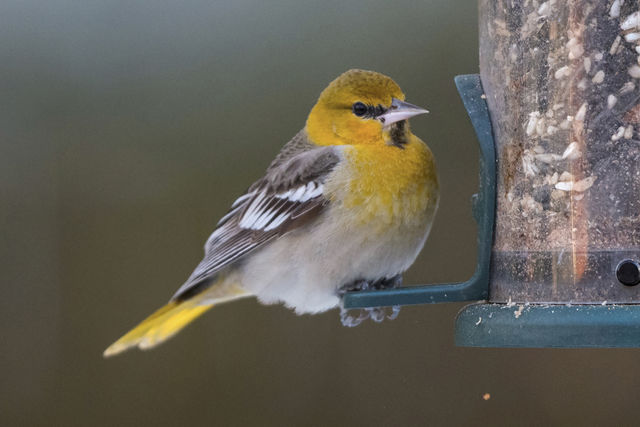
<point x="386" y="185"/>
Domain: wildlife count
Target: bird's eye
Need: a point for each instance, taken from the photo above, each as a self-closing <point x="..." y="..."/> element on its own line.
<point x="359" y="109"/>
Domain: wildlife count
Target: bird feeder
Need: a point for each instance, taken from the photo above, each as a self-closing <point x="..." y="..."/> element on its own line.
<point x="556" y="109"/>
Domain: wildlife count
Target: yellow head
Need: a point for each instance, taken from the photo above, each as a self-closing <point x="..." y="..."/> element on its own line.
<point x="359" y="107"/>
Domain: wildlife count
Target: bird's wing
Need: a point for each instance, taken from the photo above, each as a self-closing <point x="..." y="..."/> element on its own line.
<point x="290" y="194"/>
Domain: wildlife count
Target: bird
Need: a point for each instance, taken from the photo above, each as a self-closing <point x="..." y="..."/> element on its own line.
<point x="347" y="204"/>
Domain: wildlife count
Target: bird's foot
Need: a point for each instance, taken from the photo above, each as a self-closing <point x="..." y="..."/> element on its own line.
<point x="387" y="283"/>
<point x="377" y="314"/>
<point x="355" y="286"/>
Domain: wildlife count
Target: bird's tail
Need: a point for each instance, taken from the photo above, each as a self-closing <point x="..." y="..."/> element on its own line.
<point x="170" y="319"/>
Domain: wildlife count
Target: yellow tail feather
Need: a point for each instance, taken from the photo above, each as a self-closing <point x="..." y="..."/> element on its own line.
<point x="159" y="327"/>
<point x="169" y="320"/>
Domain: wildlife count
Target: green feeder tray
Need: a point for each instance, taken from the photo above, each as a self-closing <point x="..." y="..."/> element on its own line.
<point x="554" y="326"/>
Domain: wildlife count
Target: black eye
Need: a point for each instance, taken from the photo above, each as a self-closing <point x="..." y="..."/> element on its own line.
<point x="359" y="109"/>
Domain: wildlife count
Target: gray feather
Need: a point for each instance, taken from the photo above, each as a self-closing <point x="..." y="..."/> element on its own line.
<point x="288" y="196"/>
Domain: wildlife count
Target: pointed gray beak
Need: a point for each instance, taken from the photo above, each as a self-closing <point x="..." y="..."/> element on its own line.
<point x="400" y="110"/>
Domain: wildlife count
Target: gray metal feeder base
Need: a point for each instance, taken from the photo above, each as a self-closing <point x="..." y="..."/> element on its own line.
<point x="554" y="326"/>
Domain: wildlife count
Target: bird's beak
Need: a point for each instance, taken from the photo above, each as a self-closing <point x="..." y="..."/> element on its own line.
<point x="400" y="110"/>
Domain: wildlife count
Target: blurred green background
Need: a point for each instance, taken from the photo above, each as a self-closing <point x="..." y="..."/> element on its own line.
<point x="128" y="128"/>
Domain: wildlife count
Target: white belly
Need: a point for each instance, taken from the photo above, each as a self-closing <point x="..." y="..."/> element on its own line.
<point x="304" y="268"/>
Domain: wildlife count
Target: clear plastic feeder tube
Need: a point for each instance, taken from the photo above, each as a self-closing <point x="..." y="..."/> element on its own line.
<point x="562" y="81"/>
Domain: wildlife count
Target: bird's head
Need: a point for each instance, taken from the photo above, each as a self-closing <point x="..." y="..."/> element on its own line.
<point x="360" y="107"/>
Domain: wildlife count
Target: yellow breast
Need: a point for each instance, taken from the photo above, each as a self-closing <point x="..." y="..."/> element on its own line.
<point x="389" y="185"/>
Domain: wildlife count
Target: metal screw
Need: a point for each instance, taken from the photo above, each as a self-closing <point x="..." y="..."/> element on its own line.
<point x="628" y="272"/>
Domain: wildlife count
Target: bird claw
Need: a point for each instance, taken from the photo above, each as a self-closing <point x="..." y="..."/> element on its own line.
<point x="356" y="286"/>
<point x="365" y="285"/>
<point x="350" y="321"/>
<point x="388" y="283"/>
<point x="377" y="314"/>
<point x="395" y="310"/>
